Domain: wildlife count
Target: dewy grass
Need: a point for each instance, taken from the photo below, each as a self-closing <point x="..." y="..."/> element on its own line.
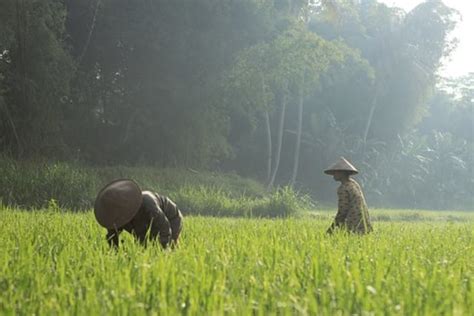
<point x="59" y="263"/>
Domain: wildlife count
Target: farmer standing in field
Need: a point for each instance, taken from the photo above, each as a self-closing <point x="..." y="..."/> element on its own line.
<point x="121" y="205"/>
<point x="352" y="214"/>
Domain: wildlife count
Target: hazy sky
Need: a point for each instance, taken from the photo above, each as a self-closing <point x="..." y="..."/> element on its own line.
<point x="462" y="60"/>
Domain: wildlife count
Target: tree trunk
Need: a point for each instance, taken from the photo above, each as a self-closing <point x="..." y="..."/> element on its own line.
<point x="298" y="135"/>
<point x="22" y="70"/>
<point x="279" y="141"/>
<point x="91" y="30"/>
<point x="268" y="131"/>
<point x="369" y="119"/>
<point x="12" y="124"/>
<point x="269" y="145"/>
<point x="128" y="128"/>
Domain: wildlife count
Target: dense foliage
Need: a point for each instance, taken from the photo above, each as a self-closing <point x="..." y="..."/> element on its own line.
<point x="55" y="263"/>
<point x="265" y="88"/>
<point x="74" y="187"/>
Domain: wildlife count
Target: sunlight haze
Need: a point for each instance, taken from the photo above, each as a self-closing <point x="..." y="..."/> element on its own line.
<point x="460" y="62"/>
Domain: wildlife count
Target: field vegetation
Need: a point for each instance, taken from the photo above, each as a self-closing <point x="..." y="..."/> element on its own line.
<point x="55" y="259"/>
<point x="55" y="263"/>
<point x="74" y="187"/>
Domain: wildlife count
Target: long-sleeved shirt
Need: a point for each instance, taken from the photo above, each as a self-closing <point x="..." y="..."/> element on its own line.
<point x="352" y="211"/>
<point x="158" y="216"/>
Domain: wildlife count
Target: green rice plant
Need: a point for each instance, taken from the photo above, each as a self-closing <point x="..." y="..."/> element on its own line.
<point x="60" y="264"/>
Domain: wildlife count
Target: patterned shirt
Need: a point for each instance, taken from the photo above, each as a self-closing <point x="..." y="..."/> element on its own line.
<point x="352" y="213"/>
<point x="158" y="216"/>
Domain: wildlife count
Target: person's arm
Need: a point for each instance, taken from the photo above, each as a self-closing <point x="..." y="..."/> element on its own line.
<point x="174" y="216"/>
<point x="343" y="205"/>
<point x="159" y="226"/>
<point x="113" y="237"/>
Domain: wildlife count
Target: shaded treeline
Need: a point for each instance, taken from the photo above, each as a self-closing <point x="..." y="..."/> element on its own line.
<point x="275" y="89"/>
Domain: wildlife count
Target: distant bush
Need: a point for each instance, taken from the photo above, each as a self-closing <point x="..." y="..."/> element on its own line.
<point x="283" y="202"/>
<point x="211" y="201"/>
<point x="201" y="200"/>
<point x="40" y="185"/>
<point x="167" y="180"/>
<point x="34" y="185"/>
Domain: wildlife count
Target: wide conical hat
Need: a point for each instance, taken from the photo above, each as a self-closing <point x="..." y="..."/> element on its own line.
<point x="341" y="165"/>
<point x="117" y="203"/>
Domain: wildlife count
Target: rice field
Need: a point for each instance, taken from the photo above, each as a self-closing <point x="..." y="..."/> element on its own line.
<point x="54" y="263"/>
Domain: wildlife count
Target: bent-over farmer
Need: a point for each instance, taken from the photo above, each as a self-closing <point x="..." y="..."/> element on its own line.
<point x="352" y="214"/>
<point x="121" y="205"/>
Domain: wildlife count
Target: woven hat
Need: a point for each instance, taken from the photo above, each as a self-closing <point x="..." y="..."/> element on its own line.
<point x="341" y="165"/>
<point x="117" y="203"/>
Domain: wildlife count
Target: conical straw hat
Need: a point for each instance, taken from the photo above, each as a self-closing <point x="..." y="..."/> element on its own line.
<point x="117" y="203"/>
<point x="341" y="165"/>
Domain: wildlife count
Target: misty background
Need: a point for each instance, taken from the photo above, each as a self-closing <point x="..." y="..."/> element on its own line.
<point x="274" y="90"/>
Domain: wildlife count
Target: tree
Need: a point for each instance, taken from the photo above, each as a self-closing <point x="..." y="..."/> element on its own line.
<point x="306" y="58"/>
<point x="405" y="51"/>
<point x="36" y="69"/>
<point x="288" y="66"/>
<point x="156" y="66"/>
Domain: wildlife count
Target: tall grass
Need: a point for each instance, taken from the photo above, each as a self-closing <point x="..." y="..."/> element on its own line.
<point x="75" y="187"/>
<point x="34" y="185"/>
<point x="60" y="264"/>
<point x="215" y="202"/>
